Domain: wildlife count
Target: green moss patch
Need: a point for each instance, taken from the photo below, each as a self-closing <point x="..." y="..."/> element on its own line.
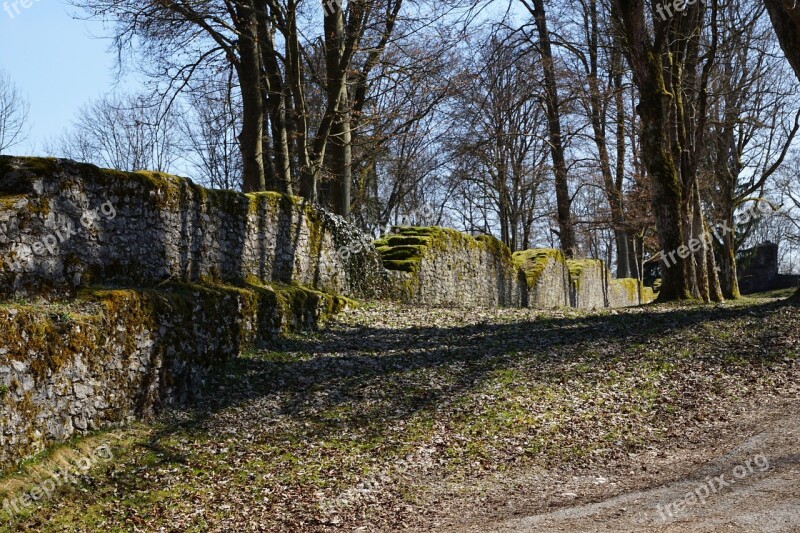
<point x="578" y="266"/>
<point x="533" y="262"/>
<point x="408" y="245"/>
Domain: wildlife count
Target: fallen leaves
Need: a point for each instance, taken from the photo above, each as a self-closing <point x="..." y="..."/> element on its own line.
<point x="360" y="427"/>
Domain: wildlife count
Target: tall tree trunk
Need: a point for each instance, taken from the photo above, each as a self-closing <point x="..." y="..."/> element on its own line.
<point x="635" y="255"/>
<point x="341" y="160"/>
<point x="727" y="260"/>
<point x="249" y="70"/>
<point x="275" y="96"/>
<point x="667" y="190"/>
<point x="339" y="144"/>
<point x="664" y="58"/>
<point x="785" y="16"/>
<point x="552" y="103"/>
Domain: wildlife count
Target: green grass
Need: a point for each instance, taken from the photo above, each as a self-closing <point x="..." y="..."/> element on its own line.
<point x="778" y="293"/>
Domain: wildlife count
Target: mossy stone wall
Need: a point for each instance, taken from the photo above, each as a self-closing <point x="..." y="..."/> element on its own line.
<point x="628" y="292"/>
<point x="111" y="356"/>
<point x="443" y="267"/>
<point x="546" y="277"/>
<point x="167" y="228"/>
<point x="588" y="283"/>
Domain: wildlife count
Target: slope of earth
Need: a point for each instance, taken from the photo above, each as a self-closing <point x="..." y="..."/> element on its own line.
<point x="407" y="418"/>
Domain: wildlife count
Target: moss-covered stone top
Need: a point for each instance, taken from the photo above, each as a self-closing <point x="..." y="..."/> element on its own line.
<point x="166" y="188"/>
<point x="578" y="266"/>
<point x="533" y="262"/>
<point x="405" y="247"/>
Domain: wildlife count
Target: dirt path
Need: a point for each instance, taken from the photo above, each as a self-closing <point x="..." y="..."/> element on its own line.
<point x="759" y="491"/>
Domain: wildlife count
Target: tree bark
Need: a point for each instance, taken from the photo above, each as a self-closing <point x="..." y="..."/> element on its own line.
<point x="249" y="71"/>
<point x="341" y="160"/>
<point x="664" y="58"/>
<point x="552" y="103"/>
<point x="785" y="16"/>
<point x="275" y="96"/>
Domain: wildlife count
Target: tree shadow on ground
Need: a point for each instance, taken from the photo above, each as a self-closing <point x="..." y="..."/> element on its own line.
<point x="315" y="374"/>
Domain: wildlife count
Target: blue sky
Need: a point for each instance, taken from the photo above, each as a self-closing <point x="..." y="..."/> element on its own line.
<point x="57" y="61"/>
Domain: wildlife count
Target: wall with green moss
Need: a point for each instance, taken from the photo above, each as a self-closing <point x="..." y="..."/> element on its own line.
<point x="628" y="292"/>
<point x="588" y="283"/>
<point x="167" y="228"/>
<point x="110" y="356"/>
<point x="546" y="277"/>
<point x="444" y="267"/>
<point x="441" y="266"/>
<point x="131" y="311"/>
<point x="592" y="287"/>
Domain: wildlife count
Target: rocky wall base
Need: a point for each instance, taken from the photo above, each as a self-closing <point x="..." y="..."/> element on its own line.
<point x="112" y="356"/>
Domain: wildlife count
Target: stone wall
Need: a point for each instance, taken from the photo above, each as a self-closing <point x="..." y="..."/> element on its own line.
<point x="111" y="356"/>
<point x="65" y="225"/>
<point x="628" y="292"/>
<point x="546" y="278"/>
<point x="119" y="292"/>
<point x="588" y="283"/>
<point x="443" y="267"/>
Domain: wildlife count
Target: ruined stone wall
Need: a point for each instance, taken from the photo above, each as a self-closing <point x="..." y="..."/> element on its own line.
<point x="111" y="356"/>
<point x="546" y="277"/>
<point x="65" y="225"/>
<point x="120" y="292"/>
<point x="588" y="283"/>
<point x="443" y="267"/>
<point x="628" y="292"/>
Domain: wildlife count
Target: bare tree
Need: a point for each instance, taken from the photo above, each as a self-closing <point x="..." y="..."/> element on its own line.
<point x="500" y="139"/>
<point x="753" y="120"/>
<point x="209" y="138"/>
<point x="124" y="133"/>
<point x="599" y="80"/>
<point x="13" y="114"/>
<point x="553" y="105"/>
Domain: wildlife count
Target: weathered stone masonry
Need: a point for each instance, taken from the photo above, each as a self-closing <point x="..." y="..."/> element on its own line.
<point x="443" y="267"/>
<point x="440" y="266"/>
<point x="166" y="227"/>
<point x="120" y="292"/>
<point x="167" y="283"/>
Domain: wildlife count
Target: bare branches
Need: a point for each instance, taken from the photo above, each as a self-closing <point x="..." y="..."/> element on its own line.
<point x="13" y="114"/>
